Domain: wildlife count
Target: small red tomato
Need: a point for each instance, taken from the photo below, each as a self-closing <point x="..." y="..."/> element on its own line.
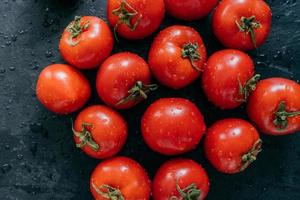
<point x="86" y="42"/>
<point x="120" y="178"/>
<point x="100" y="131"/>
<point x="172" y="126"/>
<point x="228" y="78"/>
<point x="189" y="9"/>
<point x="62" y="89"/>
<point x="242" y="24"/>
<point x="231" y="145"/>
<point x="180" y="179"/>
<point x="177" y="56"/>
<point x="275" y="106"/>
<point x="135" y="19"/>
<point x="123" y="80"/>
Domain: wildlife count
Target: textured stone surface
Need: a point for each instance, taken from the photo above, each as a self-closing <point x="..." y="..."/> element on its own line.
<point x="38" y="159"/>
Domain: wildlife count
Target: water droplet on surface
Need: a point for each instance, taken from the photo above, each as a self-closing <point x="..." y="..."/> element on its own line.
<point x="20" y="156"/>
<point x="49" y="54"/>
<point x="12" y="68"/>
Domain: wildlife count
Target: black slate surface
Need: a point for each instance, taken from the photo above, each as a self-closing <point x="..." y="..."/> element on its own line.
<point x="38" y="159"/>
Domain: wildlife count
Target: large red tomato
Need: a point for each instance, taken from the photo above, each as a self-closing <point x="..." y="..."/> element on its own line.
<point x="231" y="145"/>
<point x="120" y="178"/>
<point x="123" y="80"/>
<point x="275" y="106"/>
<point x="228" y="78"/>
<point x="189" y="9"/>
<point x="62" y="89"/>
<point x="242" y="24"/>
<point x="135" y="19"/>
<point x="100" y="131"/>
<point x="172" y="126"/>
<point x="182" y="179"/>
<point x="177" y="56"/>
<point x="86" y="42"/>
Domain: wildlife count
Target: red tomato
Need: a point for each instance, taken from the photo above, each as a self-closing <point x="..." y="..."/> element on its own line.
<point x="62" y="89"/>
<point x="120" y="178"/>
<point x="242" y="24"/>
<point x="189" y="9"/>
<point x="123" y="80"/>
<point x="177" y="56"/>
<point x="135" y="19"/>
<point x="180" y="179"/>
<point x="231" y="145"/>
<point x="86" y="42"/>
<point x="100" y="131"/>
<point x="172" y="126"/>
<point x="275" y="106"/>
<point x="228" y="78"/>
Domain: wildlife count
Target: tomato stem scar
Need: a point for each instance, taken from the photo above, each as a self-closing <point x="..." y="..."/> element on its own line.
<point x="110" y="192"/>
<point x="281" y="116"/>
<point x="251" y="155"/>
<point x="249" y="86"/>
<point x="190" y="192"/>
<point x="75" y="29"/>
<point x="191" y="51"/>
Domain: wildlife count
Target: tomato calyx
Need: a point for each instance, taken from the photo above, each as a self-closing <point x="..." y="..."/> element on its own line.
<point x="191" y="51"/>
<point x="75" y="29"/>
<point x="125" y="17"/>
<point x="251" y="155"/>
<point x="108" y="192"/>
<point x="85" y="137"/>
<point x="281" y="116"/>
<point x="138" y="90"/>
<point x="248" y="25"/>
<point x="190" y="192"/>
<point x="249" y="86"/>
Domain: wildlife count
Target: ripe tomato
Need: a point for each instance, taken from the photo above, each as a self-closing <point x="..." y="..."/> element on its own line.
<point x="172" y="126"/>
<point x="86" y="42"/>
<point x="180" y="179"/>
<point x="231" y="145"/>
<point x="135" y="19"/>
<point x="123" y="80"/>
<point x="100" y="131"/>
<point x="120" y="178"/>
<point x="189" y="9"/>
<point x="228" y="78"/>
<point x="242" y="24"/>
<point x="62" y="89"/>
<point x="177" y="56"/>
<point x="275" y="106"/>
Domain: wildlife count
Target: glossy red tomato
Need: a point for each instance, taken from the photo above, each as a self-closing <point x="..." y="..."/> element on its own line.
<point x="123" y="80"/>
<point x="228" y="78"/>
<point x="172" y="126"/>
<point x="275" y="106"/>
<point x="189" y="9"/>
<point x="100" y="131"/>
<point x="231" y="145"/>
<point x="62" y="89"/>
<point x="177" y="56"/>
<point x="180" y="179"/>
<point x="135" y="19"/>
<point x="242" y="24"/>
<point x="86" y="42"/>
<point x="120" y="178"/>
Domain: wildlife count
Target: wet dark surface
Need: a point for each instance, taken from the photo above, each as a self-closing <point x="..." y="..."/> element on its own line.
<point x="38" y="159"/>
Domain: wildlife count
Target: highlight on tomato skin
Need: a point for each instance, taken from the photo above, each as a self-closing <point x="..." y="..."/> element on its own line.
<point x="86" y="42"/>
<point x="135" y="19"/>
<point x="177" y="56"/>
<point x="120" y="178"/>
<point x="228" y="78"/>
<point x="189" y="10"/>
<point x="62" y="89"/>
<point x="100" y="131"/>
<point x="124" y="80"/>
<point x="231" y="145"/>
<point x="274" y="106"/>
<point x="243" y="25"/>
<point x="172" y="126"/>
<point x="180" y="178"/>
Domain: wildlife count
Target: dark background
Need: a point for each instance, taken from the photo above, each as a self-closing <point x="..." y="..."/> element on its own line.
<point x="38" y="158"/>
